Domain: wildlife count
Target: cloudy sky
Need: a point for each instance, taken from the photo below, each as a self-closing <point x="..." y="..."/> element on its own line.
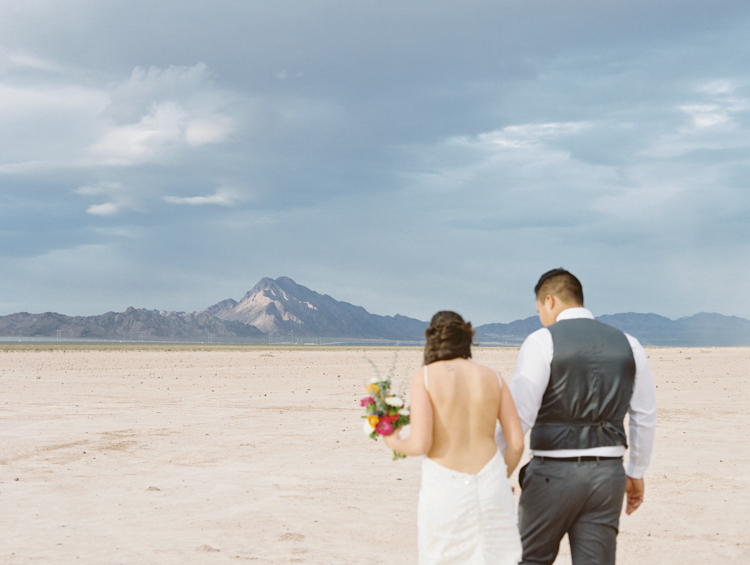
<point x="402" y="156"/>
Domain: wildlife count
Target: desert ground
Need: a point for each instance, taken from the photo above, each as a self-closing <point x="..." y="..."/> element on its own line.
<point x="216" y="454"/>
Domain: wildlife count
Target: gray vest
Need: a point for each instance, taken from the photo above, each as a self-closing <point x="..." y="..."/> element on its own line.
<point x="589" y="390"/>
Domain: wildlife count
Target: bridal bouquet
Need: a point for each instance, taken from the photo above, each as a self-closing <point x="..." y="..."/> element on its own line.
<point x="385" y="411"/>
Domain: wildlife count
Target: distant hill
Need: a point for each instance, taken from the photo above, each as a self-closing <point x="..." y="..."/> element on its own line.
<point x="283" y="307"/>
<point x="133" y="324"/>
<point x="699" y="330"/>
<point x="510" y="334"/>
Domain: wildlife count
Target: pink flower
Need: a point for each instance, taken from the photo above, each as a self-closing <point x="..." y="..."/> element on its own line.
<point x="384" y="427"/>
<point x="366" y="401"/>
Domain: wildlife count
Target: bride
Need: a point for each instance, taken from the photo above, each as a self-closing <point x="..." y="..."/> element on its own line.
<point x="466" y="512"/>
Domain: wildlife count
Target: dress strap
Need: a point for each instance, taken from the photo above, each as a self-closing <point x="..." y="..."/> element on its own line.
<point x="499" y="378"/>
<point x="425" y="378"/>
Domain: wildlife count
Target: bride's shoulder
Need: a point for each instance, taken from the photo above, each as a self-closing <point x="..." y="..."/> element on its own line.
<point x="488" y="373"/>
<point x="478" y="366"/>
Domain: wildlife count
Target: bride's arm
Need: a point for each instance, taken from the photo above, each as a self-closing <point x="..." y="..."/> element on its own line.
<point x="512" y="430"/>
<point x="420" y="419"/>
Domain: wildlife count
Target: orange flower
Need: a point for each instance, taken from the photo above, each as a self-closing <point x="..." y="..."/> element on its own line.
<point x="373" y="420"/>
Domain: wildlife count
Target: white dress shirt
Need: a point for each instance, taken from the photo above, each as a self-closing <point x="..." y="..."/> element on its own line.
<point x="532" y="377"/>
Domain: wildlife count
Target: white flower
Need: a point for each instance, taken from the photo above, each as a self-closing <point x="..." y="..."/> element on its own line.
<point x="394" y="401"/>
<point x="403" y="412"/>
<point x="375" y="380"/>
<point x="367" y="428"/>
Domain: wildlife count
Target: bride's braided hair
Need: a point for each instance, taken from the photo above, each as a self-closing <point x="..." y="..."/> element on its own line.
<point x="448" y="337"/>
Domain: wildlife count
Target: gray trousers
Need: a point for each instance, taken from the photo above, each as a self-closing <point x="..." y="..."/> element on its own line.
<point x="582" y="499"/>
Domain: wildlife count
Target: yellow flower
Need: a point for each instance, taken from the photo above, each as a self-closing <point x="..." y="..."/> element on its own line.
<point x="372" y="389"/>
<point x="367" y="428"/>
<point x="373" y="420"/>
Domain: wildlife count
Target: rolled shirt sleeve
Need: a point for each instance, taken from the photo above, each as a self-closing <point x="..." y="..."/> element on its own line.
<point x="529" y="380"/>
<point x="532" y="376"/>
<point x="642" y="413"/>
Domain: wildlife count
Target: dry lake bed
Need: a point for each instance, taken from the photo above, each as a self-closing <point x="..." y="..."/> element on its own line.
<point x="179" y="454"/>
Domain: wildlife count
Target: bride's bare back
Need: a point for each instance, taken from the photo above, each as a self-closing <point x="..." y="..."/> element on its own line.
<point x="465" y="400"/>
<point x="453" y="418"/>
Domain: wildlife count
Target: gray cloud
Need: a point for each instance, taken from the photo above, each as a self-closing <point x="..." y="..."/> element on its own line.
<point x="403" y="157"/>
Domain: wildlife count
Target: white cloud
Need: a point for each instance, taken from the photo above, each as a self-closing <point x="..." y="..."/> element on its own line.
<point x="145" y="140"/>
<point x="106" y="209"/>
<point x="119" y="198"/>
<point x="99" y="188"/>
<point x="220" y="198"/>
<point x="212" y="129"/>
<point x="187" y="86"/>
<point x="517" y="156"/>
<point x="715" y="123"/>
<point x="530" y="135"/>
<point x="19" y="60"/>
<point x="721" y="86"/>
<point x="706" y="115"/>
<point x="722" y="107"/>
<point x="128" y="232"/>
<point x="151" y="116"/>
<point x="157" y="112"/>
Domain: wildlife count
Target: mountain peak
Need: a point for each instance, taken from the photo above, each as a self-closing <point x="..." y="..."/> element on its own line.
<point x="284" y="307"/>
<point x="276" y="286"/>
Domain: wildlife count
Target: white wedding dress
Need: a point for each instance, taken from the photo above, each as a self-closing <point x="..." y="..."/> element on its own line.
<point x="467" y="519"/>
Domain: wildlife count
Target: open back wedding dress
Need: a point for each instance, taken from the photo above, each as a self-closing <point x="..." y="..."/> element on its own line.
<point x="467" y="519"/>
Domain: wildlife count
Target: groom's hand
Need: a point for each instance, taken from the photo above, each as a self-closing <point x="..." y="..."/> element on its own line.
<point x="634" y="489"/>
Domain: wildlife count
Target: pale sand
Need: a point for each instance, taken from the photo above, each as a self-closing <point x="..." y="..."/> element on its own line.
<point x="259" y="454"/>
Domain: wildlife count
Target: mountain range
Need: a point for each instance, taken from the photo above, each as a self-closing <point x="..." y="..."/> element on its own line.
<point x="281" y="309"/>
<point x="133" y="324"/>
<point x="699" y="330"/>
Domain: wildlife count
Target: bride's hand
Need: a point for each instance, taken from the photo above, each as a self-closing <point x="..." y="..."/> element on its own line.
<point x="387" y="439"/>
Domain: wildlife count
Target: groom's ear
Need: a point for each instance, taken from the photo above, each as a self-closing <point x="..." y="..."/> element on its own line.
<point x="545" y="307"/>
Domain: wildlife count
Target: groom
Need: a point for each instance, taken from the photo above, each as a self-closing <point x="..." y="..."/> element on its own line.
<point x="575" y="380"/>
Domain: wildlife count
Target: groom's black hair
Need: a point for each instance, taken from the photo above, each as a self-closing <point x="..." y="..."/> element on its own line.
<point x="560" y="283"/>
